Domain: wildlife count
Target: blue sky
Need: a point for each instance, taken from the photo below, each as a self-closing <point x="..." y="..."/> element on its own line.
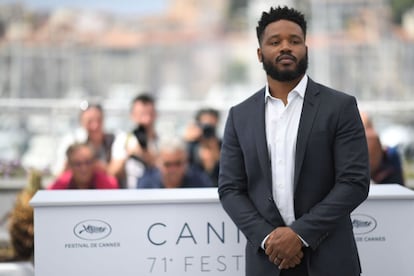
<point x="118" y="6"/>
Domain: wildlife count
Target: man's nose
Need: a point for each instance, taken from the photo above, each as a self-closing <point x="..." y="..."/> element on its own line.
<point x="285" y="46"/>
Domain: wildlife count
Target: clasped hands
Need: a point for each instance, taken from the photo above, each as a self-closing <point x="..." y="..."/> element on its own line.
<point x="284" y="248"/>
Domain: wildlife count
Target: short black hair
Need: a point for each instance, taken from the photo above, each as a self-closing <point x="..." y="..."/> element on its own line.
<point x="211" y="111"/>
<point x="144" y="98"/>
<point x="279" y="13"/>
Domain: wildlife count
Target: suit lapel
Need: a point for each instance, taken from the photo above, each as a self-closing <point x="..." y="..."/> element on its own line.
<point x="310" y="107"/>
<point x="259" y="127"/>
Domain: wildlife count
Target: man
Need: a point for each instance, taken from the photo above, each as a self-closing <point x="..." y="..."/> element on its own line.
<point x="83" y="172"/>
<point x="203" y="143"/>
<point x="291" y="174"/>
<point x="133" y="152"/>
<point x="384" y="162"/>
<point x="92" y="120"/>
<point x="172" y="169"/>
<point x="92" y="132"/>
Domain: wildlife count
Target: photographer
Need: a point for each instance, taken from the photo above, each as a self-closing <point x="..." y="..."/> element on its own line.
<point x="134" y="152"/>
<point x="91" y="131"/>
<point x="203" y="143"/>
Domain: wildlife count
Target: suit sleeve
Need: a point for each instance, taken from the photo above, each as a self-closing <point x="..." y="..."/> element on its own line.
<point x="233" y="188"/>
<point x="351" y="181"/>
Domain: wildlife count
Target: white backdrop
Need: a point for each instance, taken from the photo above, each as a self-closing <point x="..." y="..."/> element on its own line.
<point x="186" y="232"/>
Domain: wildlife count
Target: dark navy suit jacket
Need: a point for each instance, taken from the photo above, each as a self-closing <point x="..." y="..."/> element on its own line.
<point x="331" y="179"/>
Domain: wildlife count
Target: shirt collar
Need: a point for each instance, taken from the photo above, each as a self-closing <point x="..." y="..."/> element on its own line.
<point x="300" y="88"/>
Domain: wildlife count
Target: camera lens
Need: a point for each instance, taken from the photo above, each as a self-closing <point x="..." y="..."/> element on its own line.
<point x="208" y="131"/>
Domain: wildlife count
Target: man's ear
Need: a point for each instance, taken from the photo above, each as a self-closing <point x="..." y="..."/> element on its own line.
<point x="259" y="54"/>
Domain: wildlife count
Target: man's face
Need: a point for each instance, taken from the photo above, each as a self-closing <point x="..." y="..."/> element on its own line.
<point x="173" y="166"/>
<point x="208" y="119"/>
<point x="283" y="51"/>
<point x="81" y="162"/>
<point x="143" y="114"/>
<point x="375" y="150"/>
<point x="92" y="122"/>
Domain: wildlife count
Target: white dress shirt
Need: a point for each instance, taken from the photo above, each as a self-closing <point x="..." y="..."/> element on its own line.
<point x="282" y="122"/>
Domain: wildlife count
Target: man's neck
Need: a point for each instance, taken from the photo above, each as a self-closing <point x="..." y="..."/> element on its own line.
<point x="96" y="140"/>
<point x="281" y="89"/>
<point x="81" y="185"/>
<point x="171" y="184"/>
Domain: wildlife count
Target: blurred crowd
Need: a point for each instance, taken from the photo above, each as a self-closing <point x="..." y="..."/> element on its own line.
<point x="92" y="158"/>
<point x="139" y="158"/>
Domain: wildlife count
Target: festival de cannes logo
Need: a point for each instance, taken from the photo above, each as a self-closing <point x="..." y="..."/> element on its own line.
<point x="92" y="229"/>
<point x="363" y="224"/>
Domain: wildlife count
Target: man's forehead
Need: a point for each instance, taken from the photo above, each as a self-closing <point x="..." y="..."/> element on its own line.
<point x="283" y="26"/>
<point x="166" y="154"/>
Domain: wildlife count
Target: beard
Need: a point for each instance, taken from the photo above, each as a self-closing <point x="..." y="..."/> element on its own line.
<point x="285" y="75"/>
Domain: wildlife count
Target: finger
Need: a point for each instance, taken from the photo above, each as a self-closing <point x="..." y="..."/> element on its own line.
<point x="289" y="263"/>
<point x="276" y="261"/>
<point x="273" y="254"/>
<point x="293" y="264"/>
<point x="285" y="264"/>
<point x="273" y="257"/>
<point x="296" y="260"/>
<point x="272" y="260"/>
<point x="268" y="250"/>
<point x="300" y="254"/>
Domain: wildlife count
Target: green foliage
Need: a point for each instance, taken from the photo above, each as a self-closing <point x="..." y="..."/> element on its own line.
<point x="399" y="7"/>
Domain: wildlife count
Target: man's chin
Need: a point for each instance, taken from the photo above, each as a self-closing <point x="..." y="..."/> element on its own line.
<point x="286" y="76"/>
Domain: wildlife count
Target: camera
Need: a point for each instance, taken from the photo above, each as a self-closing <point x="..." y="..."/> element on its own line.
<point x="141" y="134"/>
<point x="209" y="131"/>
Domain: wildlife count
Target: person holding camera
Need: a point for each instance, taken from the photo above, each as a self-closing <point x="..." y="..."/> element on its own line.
<point x="134" y="152"/>
<point x="203" y="143"/>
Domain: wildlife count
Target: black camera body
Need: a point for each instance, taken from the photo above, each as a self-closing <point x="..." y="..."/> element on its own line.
<point x="208" y="131"/>
<point x="140" y="133"/>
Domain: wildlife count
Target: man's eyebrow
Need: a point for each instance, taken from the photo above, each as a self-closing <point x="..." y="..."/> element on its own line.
<point x="290" y="36"/>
